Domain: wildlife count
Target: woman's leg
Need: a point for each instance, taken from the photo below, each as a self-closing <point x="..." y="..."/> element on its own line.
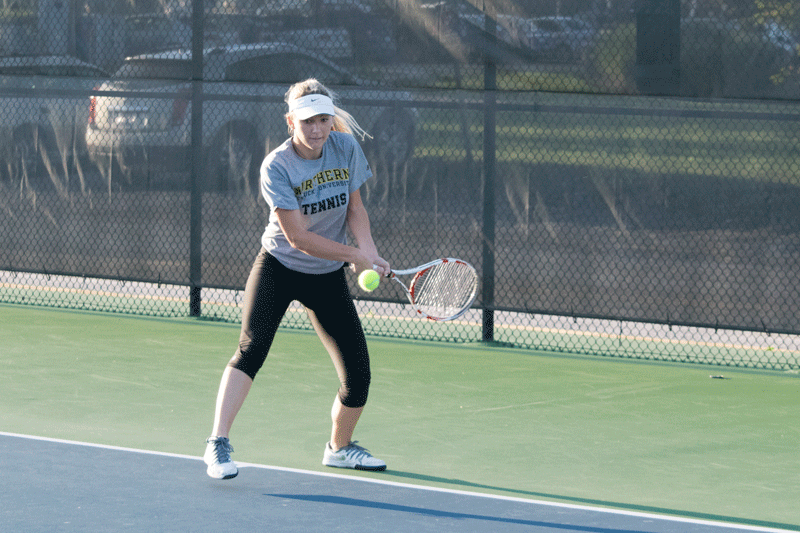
<point x="337" y="324"/>
<point x="265" y="302"/>
<point x="344" y="423"/>
<point x="233" y="390"/>
<point x="263" y="308"/>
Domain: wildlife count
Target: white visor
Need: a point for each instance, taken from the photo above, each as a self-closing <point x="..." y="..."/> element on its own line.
<point x="311" y="105"/>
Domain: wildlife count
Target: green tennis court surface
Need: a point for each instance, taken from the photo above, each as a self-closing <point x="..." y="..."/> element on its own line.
<point x="644" y="437"/>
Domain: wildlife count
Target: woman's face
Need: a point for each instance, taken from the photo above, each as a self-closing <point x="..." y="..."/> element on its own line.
<point x="310" y="135"/>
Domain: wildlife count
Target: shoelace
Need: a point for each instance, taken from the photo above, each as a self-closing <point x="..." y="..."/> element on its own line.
<point x="355" y="450"/>
<point x="222" y="449"/>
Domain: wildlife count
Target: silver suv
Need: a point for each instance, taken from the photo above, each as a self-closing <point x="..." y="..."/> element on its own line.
<point x="44" y="116"/>
<point x="141" y="138"/>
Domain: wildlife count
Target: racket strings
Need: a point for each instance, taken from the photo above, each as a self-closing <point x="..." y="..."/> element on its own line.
<point x="446" y="289"/>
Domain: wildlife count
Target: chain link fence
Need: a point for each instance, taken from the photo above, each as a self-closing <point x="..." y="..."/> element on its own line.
<point x="625" y="175"/>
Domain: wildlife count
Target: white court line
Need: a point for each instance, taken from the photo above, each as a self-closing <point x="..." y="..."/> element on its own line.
<point x="637" y="514"/>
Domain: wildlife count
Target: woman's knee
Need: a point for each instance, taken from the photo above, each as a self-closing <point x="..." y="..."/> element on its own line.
<point x="249" y="358"/>
<point x="355" y="389"/>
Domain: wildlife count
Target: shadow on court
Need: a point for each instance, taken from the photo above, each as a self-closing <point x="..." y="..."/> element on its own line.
<point x="410" y="476"/>
<point x="71" y="487"/>
<point x="368" y="504"/>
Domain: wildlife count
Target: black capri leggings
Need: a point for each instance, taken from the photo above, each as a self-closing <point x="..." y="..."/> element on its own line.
<point x="270" y="289"/>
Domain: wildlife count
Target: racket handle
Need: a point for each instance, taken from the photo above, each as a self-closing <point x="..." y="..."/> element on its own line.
<point x="389" y="275"/>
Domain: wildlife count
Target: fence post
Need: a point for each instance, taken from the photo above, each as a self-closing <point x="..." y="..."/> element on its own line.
<point x="658" y="47"/>
<point x="489" y="171"/>
<point x="196" y="164"/>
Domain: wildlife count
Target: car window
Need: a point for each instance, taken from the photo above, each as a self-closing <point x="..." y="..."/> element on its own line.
<point x="17" y="70"/>
<point x="173" y="69"/>
<point x="579" y="25"/>
<point x="548" y="25"/>
<point x="308" y="67"/>
<point x="75" y="71"/>
<point x="262" y="69"/>
<point x="149" y="24"/>
<point x="283" y="68"/>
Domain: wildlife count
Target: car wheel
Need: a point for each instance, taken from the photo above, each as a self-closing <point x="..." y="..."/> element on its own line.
<point x="30" y="153"/>
<point x="393" y="137"/>
<point x="233" y="161"/>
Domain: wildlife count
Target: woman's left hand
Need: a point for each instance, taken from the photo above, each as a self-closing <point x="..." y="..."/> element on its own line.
<point x="378" y="264"/>
<point x="381" y="266"/>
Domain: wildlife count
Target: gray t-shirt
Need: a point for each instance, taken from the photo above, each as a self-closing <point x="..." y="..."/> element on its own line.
<point x="319" y="188"/>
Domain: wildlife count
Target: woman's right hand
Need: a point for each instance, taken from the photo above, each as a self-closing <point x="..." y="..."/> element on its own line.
<point x="376" y="263"/>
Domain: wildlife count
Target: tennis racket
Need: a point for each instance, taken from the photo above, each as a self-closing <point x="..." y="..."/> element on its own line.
<point x="440" y="290"/>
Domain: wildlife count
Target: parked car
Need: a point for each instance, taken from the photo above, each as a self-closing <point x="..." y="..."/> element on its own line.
<point x="458" y="29"/>
<point x="509" y="29"/>
<point x="559" y="39"/>
<point x="372" y="32"/>
<point x="461" y="29"/>
<point x="783" y="39"/>
<point x="42" y="132"/>
<point x="226" y="29"/>
<point x="151" y="33"/>
<point x="735" y="59"/>
<point x="145" y="130"/>
<point x="330" y="43"/>
<point x="370" y="26"/>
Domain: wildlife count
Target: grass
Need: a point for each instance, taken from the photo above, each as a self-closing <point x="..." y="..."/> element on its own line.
<point x="522" y="80"/>
<point x="761" y="150"/>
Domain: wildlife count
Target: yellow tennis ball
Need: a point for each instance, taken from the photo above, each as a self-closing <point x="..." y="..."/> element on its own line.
<point x="369" y="280"/>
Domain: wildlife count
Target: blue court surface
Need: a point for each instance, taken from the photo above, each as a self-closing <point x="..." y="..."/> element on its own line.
<point x="64" y="486"/>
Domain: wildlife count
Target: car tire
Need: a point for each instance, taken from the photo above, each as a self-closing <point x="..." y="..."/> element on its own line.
<point x="29" y="156"/>
<point x="233" y="161"/>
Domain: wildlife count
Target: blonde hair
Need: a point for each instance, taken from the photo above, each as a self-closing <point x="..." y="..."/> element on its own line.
<point x="342" y="121"/>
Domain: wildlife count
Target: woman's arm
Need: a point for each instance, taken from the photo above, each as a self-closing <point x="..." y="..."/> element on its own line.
<point x="358" y="222"/>
<point x="361" y="257"/>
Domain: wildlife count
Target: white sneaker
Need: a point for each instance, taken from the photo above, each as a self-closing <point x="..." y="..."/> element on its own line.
<point x="352" y="456"/>
<point x="218" y="458"/>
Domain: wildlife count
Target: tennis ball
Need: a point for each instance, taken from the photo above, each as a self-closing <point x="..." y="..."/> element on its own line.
<point x="369" y="280"/>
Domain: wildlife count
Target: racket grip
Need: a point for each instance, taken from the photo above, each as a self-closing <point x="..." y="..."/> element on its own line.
<point x="389" y="275"/>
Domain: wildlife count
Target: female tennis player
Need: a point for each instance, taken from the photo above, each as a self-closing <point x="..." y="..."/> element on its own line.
<point x="311" y="183"/>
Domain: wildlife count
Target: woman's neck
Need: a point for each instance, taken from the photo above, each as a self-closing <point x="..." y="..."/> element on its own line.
<point x="304" y="152"/>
